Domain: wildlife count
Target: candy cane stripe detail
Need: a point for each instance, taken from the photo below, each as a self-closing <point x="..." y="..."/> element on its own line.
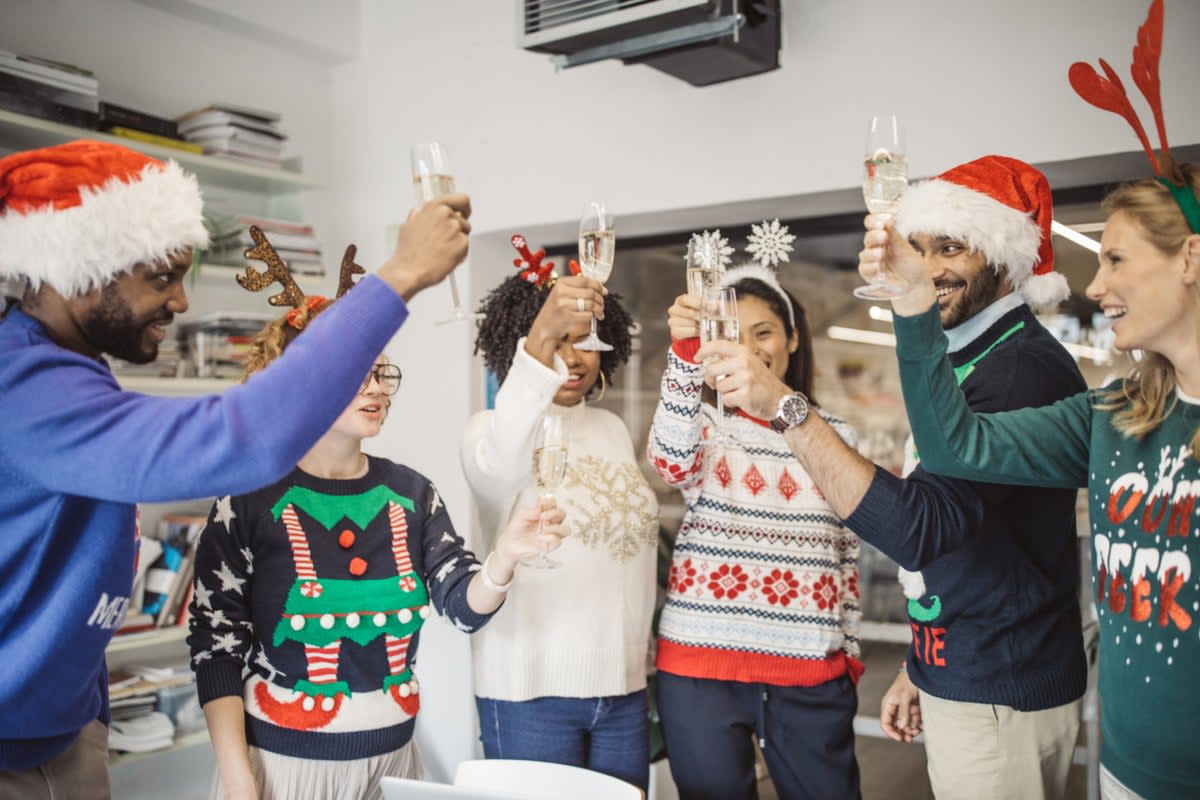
<point x="301" y="555"/>
<point x="322" y="662"/>
<point x="397" y="653"/>
<point x="399" y="526"/>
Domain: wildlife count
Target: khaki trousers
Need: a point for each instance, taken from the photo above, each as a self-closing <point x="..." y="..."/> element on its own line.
<point x="977" y="751"/>
<point x="78" y="773"/>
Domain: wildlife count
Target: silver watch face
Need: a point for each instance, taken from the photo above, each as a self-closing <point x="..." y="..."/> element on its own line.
<point x="793" y="410"/>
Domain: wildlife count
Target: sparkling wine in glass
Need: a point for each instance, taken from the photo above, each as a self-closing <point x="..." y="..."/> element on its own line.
<point x="885" y="177"/>
<point x="432" y="179"/>
<point x="704" y="269"/>
<point x="719" y="322"/>
<point x="549" y="469"/>
<point x="597" y="246"/>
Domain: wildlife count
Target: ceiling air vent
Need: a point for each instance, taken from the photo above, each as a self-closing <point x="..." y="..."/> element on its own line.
<point x="699" y="41"/>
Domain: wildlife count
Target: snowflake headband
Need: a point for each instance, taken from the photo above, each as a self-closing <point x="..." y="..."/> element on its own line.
<point x="533" y="265"/>
<point x="277" y="271"/>
<point x="769" y="244"/>
<point x="1110" y="95"/>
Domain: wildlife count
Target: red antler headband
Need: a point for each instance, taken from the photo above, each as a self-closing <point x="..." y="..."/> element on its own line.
<point x="1109" y="94"/>
<point x="533" y="266"/>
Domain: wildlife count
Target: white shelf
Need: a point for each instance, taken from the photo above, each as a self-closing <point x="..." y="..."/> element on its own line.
<point x="181" y="743"/>
<point x="20" y="132"/>
<point x="152" y="638"/>
<point x="174" y="387"/>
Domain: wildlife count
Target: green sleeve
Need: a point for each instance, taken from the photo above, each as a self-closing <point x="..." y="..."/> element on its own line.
<point x="1046" y="446"/>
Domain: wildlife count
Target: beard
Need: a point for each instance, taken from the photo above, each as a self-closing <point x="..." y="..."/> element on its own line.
<point x="112" y="329"/>
<point x="978" y="293"/>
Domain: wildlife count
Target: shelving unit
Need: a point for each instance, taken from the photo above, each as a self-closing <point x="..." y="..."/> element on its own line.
<point x="19" y="132"/>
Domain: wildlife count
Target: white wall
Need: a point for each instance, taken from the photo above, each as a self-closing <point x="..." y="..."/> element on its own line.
<point x="531" y="145"/>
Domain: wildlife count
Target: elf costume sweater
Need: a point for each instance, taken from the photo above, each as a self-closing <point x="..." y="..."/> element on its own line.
<point x="76" y="454"/>
<point x="1142" y="497"/>
<point x="316" y="589"/>
<point x="581" y="630"/>
<point x="764" y="578"/>
<point x="995" y="612"/>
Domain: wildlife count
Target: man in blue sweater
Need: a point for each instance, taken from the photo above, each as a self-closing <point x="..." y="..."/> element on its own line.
<point x="102" y="237"/>
<point x="991" y="572"/>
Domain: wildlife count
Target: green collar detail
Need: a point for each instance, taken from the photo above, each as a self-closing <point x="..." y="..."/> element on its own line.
<point x="963" y="370"/>
<point x="329" y="509"/>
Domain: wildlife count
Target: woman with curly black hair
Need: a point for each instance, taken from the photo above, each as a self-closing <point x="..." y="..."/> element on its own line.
<point x="562" y="676"/>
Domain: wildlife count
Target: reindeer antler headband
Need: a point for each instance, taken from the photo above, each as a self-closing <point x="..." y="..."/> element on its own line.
<point x="1109" y="94"/>
<point x="277" y="272"/>
<point x="533" y="266"/>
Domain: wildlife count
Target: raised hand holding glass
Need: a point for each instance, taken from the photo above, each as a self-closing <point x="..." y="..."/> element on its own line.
<point x="885" y="178"/>
<point x="432" y="179"/>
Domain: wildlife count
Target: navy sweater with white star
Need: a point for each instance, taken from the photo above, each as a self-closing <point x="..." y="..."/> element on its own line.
<point x="338" y="568"/>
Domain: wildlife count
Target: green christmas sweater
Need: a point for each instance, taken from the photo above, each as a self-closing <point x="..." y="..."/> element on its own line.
<point x="307" y="602"/>
<point x="1145" y="543"/>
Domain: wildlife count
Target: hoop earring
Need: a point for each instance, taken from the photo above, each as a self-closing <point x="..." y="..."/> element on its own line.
<point x="603" y="388"/>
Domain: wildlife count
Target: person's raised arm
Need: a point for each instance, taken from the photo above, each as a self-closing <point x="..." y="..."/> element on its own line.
<point x="431" y="243"/>
<point x="674" y="443"/>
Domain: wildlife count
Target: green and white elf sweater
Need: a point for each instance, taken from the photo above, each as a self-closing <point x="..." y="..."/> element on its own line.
<point x="307" y="602"/>
<point x="581" y="630"/>
<point x="1142" y="497"/>
<point x="764" y="577"/>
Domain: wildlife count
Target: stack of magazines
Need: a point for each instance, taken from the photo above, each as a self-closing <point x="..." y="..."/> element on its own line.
<point x="48" y="89"/>
<point x="242" y="134"/>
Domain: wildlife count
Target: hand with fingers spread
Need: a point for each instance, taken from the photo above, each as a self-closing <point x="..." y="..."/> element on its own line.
<point x="683" y="318"/>
<point x="431" y="243"/>
<point x="567" y="311"/>
<point x="884" y="247"/>
<point x="900" y="710"/>
<point x="742" y="378"/>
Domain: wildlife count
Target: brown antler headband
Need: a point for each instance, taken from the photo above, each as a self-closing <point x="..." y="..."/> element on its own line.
<point x="277" y="271"/>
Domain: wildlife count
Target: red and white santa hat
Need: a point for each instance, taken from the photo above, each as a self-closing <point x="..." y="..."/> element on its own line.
<point x="76" y="215"/>
<point x="1000" y="207"/>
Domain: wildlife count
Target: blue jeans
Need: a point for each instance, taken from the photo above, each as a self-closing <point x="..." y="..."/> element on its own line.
<point x="605" y="734"/>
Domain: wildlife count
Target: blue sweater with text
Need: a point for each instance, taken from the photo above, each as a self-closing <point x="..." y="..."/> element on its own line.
<point x="77" y="453"/>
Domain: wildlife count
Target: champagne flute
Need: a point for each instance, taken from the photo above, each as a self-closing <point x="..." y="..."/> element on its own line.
<point x="719" y="321"/>
<point x="597" y="245"/>
<point x="704" y="270"/>
<point x="432" y="179"/>
<point x="549" y="469"/>
<point x="885" y="179"/>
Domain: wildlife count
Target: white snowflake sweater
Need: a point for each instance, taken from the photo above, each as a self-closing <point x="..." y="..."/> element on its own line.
<point x="764" y="577"/>
<point x="581" y="630"/>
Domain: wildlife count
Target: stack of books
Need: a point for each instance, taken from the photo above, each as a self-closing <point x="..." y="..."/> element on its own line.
<point x="143" y="127"/>
<point x="162" y="587"/>
<point x="49" y="89"/>
<point x="242" y="134"/>
<point x="295" y="242"/>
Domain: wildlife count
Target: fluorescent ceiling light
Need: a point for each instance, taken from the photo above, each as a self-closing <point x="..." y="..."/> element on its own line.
<point x="880" y="314"/>
<point x="1096" y="354"/>
<point x="859" y="335"/>
<point x="1075" y="236"/>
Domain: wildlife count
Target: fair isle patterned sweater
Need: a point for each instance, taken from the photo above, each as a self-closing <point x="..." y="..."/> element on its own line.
<point x="764" y="577"/>
<point x="308" y="601"/>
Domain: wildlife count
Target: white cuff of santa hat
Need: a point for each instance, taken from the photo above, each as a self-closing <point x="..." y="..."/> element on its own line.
<point x="1000" y="207"/>
<point x="77" y="215"/>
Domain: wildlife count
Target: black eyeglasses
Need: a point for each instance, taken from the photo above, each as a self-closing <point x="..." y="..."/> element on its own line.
<point x="387" y="376"/>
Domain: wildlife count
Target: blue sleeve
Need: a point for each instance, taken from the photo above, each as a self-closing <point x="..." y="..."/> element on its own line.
<point x="449" y="566"/>
<point x="221" y="632"/>
<point x="80" y="434"/>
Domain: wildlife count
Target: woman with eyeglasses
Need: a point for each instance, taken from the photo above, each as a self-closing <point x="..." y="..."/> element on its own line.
<point x="308" y="599"/>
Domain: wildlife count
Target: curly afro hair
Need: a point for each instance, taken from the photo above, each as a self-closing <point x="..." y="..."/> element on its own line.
<point x="508" y="313"/>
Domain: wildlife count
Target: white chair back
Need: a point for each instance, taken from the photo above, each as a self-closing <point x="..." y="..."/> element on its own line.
<point x="408" y="789"/>
<point x="540" y="780"/>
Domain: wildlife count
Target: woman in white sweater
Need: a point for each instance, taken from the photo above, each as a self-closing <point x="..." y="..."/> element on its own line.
<point x="561" y="675"/>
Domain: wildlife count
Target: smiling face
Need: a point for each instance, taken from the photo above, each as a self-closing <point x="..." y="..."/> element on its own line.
<point x="583" y="366"/>
<point x="364" y="417"/>
<point x="761" y="330"/>
<point x="966" y="284"/>
<point x="128" y="318"/>
<point x="1150" y="296"/>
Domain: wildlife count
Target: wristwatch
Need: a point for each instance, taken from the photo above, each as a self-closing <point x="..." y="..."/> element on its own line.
<point x="793" y="410"/>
